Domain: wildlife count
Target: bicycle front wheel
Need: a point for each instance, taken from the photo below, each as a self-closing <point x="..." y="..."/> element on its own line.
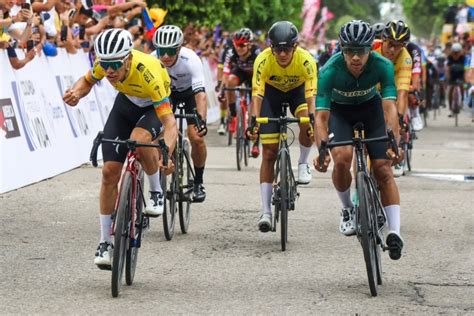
<point x="366" y="230"/>
<point x="186" y="183"/>
<point x="134" y="243"/>
<point x="284" y="198"/>
<point x="121" y="234"/>
<point x="240" y="140"/>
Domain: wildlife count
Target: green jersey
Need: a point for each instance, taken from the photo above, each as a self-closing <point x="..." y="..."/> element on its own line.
<point x="337" y="84"/>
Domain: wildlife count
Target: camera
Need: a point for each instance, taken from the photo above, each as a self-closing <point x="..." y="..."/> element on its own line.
<point x="30" y="44"/>
<point x="63" y="33"/>
<point x="26" y="6"/>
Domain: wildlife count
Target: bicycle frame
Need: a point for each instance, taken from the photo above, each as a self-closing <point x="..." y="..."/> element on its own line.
<point x="135" y="170"/>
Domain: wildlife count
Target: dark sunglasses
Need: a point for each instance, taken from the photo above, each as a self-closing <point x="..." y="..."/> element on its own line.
<point x="280" y="49"/>
<point x="114" y="64"/>
<point x="359" y="51"/>
<point x="170" y="51"/>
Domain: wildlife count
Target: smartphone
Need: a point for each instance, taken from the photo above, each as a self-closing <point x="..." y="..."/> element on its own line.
<point x="26" y="6"/>
<point x="72" y="12"/>
<point x="85" y="44"/>
<point x="63" y="33"/>
<point x="82" y="32"/>
<point x="30" y="44"/>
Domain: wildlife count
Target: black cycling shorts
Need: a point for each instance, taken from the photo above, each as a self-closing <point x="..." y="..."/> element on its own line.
<point x="123" y="118"/>
<point x="243" y="76"/>
<point x="186" y="98"/>
<point x="343" y="117"/>
<point x="271" y="107"/>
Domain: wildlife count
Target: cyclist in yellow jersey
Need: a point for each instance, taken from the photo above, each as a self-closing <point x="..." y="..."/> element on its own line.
<point x="140" y="112"/>
<point x="282" y="73"/>
<point x="395" y="37"/>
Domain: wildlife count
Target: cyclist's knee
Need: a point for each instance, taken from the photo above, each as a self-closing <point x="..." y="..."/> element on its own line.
<point x="269" y="153"/>
<point x="141" y="135"/>
<point x="382" y="171"/>
<point x="111" y="173"/>
<point x="342" y="158"/>
<point x="233" y="81"/>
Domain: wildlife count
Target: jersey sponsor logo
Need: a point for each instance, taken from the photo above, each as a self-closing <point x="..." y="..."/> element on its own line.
<point x="308" y="67"/>
<point x="180" y="75"/>
<point x="352" y="94"/>
<point x="183" y="57"/>
<point x="259" y="71"/>
<point x="134" y="85"/>
<point x="407" y="61"/>
<point x="140" y="67"/>
<point x="157" y="89"/>
<point x="148" y="76"/>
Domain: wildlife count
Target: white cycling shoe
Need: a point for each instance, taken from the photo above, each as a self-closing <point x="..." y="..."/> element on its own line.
<point x="347" y="225"/>
<point x="265" y="222"/>
<point x="155" y="205"/>
<point x="417" y="123"/>
<point x="304" y="173"/>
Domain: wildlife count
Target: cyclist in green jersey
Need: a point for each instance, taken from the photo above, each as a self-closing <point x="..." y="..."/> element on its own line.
<point x="347" y="94"/>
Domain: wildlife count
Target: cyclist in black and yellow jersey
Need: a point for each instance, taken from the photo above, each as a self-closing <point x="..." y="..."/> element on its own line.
<point x="283" y="72"/>
<point x="140" y="112"/>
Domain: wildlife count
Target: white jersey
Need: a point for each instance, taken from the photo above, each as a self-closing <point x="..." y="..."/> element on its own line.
<point x="187" y="72"/>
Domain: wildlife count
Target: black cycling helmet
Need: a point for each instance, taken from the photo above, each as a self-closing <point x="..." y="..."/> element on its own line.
<point x="356" y="33"/>
<point x="283" y="33"/>
<point x="378" y="29"/>
<point x="398" y="31"/>
<point x="243" y="36"/>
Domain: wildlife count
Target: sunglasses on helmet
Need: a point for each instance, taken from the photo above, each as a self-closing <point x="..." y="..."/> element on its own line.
<point x="114" y="64"/>
<point x="170" y="51"/>
<point x="359" y="51"/>
<point x="283" y="48"/>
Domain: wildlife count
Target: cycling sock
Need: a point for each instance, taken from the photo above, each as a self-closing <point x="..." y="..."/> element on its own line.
<point x="304" y="154"/>
<point x="266" y="195"/>
<point x="233" y="111"/>
<point x="155" y="183"/>
<point x="105" y="227"/>
<point x="222" y="120"/>
<point x="223" y="114"/>
<point x="393" y="217"/>
<point x="345" y="198"/>
<point x="199" y="172"/>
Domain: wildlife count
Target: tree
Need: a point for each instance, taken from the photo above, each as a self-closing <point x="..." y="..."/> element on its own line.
<point x="425" y="16"/>
<point x="257" y="14"/>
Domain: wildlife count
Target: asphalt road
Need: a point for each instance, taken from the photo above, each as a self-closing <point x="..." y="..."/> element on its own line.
<point x="49" y="232"/>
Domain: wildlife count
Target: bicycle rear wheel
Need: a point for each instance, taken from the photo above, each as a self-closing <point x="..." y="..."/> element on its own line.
<point x="135" y="243"/>
<point x="366" y="230"/>
<point x="284" y="198"/>
<point x="240" y="139"/>
<point x="121" y="234"/>
<point x="186" y="183"/>
<point x="169" y="184"/>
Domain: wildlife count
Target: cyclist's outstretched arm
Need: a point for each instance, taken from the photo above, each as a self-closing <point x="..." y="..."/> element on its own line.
<point x="81" y="88"/>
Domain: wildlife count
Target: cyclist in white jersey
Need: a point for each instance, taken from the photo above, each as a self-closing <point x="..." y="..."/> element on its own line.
<point x="187" y="86"/>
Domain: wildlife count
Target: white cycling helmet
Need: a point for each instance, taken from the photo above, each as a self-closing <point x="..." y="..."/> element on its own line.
<point x="113" y="44"/>
<point x="168" y="36"/>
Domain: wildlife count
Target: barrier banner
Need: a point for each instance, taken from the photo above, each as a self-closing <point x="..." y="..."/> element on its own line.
<point x="41" y="136"/>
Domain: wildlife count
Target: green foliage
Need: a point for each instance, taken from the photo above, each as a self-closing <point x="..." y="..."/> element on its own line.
<point x="257" y="14"/>
<point x="425" y="17"/>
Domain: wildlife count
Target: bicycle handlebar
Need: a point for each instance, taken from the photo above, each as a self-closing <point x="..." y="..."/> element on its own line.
<point x="326" y="145"/>
<point x="130" y="144"/>
<point x="240" y="89"/>
<point x="198" y="121"/>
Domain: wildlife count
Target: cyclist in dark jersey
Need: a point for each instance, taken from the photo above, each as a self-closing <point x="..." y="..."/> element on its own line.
<point x="238" y="69"/>
<point x="455" y="65"/>
<point x="347" y="94"/>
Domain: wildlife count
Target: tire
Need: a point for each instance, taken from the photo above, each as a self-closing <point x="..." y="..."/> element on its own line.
<point x="240" y="140"/>
<point x="170" y="187"/>
<point x="121" y="234"/>
<point x="186" y="183"/>
<point x="284" y="199"/>
<point x="366" y="234"/>
<point x="134" y="244"/>
<point x="457" y="103"/>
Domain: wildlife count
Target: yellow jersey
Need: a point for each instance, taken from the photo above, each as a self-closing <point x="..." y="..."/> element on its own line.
<point x="302" y="69"/>
<point x="403" y="66"/>
<point x="147" y="82"/>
